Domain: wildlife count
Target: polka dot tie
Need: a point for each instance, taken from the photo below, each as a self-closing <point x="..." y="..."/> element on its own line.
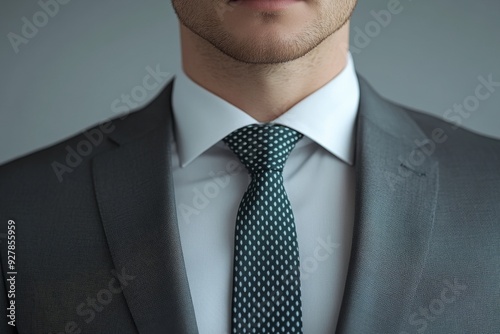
<point x="266" y="276"/>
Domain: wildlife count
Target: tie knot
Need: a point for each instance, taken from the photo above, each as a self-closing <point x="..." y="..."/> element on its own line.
<point x="263" y="147"/>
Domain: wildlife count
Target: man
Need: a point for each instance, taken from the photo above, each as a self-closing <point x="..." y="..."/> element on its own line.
<point x="266" y="189"/>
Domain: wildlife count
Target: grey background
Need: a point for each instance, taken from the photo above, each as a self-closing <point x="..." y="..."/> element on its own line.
<point x="89" y="54"/>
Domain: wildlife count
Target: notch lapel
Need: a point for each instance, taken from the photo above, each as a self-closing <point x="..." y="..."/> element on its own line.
<point x="396" y="195"/>
<point x="135" y="195"/>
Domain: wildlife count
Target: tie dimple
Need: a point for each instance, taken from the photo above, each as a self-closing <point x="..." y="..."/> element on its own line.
<point x="266" y="276"/>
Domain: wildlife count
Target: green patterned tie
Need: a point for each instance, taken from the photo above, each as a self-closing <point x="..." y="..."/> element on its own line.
<point x="266" y="275"/>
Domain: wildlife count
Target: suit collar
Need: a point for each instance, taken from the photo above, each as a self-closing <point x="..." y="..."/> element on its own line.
<point x="396" y="196"/>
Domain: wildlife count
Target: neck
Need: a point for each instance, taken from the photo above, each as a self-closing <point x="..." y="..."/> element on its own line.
<point x="263" y="91"/>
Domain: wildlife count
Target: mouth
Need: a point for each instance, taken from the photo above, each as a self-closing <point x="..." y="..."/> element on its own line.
<point x="265" y="5"/>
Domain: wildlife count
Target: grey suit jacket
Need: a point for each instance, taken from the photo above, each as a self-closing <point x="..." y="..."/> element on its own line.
<point x="98" y="251"/>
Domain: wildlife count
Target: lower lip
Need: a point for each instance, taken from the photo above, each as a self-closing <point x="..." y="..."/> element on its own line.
<point x="266" y="5"/>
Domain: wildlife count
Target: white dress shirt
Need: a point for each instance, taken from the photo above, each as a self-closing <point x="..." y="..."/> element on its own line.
<point x="318" y="176"/>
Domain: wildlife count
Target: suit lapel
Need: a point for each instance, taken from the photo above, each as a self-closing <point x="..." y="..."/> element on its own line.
<point x="396" y="196"/>
<point x="135" y="195"/>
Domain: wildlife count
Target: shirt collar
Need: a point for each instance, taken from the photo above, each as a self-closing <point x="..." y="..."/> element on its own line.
<point x="327" y="116"/>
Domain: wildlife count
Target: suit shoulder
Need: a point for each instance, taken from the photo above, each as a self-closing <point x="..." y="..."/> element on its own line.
<point x="462" y="154"/>
<point x="65" y="154"/>
<point x="453" y="135"/>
